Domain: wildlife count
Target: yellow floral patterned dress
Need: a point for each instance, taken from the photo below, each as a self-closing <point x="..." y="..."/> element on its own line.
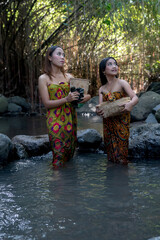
<point x="62" y="125"/>
<point x="116" y="132"/>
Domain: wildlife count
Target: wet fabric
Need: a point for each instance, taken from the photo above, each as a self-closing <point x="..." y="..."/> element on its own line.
<point x="62" y="125"/>
<point x="116" y="132"/>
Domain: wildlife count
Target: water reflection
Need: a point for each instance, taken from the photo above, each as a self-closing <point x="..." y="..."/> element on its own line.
<point x="23" y="125"/>
<point x="36" y="125"/>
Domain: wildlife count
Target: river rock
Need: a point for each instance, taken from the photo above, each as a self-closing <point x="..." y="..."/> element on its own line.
<point x="28" y="146"/>
<point x="21" y="102"/>
<point x="12" y="107"/>
<point x="144" y="141"/>
<point x="5" y="148"/>
<point x="146" y="103"/>
<point x="89" y="140"/>
<point x="33" y="145"/>
<point x="151" y="118"/>
<point x="3" y="104"/>
<point x="19" y="151"/>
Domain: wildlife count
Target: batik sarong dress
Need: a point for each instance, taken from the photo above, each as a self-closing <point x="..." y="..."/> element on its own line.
<point x="116" y="132"/>
<point x="62" y="125"/>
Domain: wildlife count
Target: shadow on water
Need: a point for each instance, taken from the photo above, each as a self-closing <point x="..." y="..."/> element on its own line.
<point x="88" y="199"/>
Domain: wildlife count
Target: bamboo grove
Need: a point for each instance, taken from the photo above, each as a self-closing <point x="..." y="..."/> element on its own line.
<point x="88" y="30"/>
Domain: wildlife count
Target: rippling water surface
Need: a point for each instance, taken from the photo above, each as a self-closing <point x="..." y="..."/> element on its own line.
<point x="88" y="199"/>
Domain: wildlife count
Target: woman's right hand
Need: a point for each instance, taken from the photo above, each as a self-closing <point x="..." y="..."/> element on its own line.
<point x="72" y="96"/>
<point x="99" y="112"/>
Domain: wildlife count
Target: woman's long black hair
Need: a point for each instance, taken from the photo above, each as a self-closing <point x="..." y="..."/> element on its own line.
<point x="102" y="67"/>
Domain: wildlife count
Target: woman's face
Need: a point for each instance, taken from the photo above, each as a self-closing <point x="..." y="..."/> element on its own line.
<point x="57" y="58"/>
<point x="111" y="67"/>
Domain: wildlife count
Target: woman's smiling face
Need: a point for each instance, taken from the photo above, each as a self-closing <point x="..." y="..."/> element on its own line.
<point x="111" y="67"/>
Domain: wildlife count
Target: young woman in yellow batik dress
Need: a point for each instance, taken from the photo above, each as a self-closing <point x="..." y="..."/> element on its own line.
<point x="54" y="89"/>
<point x="115" y="129"/>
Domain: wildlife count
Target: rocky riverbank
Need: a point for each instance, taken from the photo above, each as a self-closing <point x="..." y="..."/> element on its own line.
<point x="144" y="143"/>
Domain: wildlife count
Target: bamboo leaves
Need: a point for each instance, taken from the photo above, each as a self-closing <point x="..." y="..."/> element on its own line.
<point x="88" y="29"/>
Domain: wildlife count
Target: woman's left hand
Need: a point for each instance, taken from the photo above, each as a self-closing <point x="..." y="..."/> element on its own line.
<point x="86" y="98"/>
<point x="127" y="107"/>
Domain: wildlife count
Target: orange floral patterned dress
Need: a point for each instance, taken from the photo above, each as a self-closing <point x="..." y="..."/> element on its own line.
<point x="116" y="132"/>
<point x="62" y="125"/>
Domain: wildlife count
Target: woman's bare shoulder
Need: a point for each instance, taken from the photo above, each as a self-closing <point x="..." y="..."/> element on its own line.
<point x="43" y="78"/>
<point x="123" y="82"/>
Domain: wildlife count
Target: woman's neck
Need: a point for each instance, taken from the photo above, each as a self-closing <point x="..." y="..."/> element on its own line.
<point x="111" y="83"/>
<point x="111" y="79"/>
<point x="56" y="71"/>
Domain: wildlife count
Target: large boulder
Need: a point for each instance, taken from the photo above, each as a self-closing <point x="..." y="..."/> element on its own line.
<point x="12" y="107"/>
<point x="24" y="146"/>
<point x="21" y="102"/>
<point x="146" y="103"/>
<point x="31" y="145"/>
<point x="89" y="140"/>
<point x="144" y="141"/>
<point x="3" y="104"/>
<point x="151" y="118"/>
<point x="5" y="148"/>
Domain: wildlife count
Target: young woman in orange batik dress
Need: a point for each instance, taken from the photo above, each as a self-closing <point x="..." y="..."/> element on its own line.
<point x="115" y="129"/>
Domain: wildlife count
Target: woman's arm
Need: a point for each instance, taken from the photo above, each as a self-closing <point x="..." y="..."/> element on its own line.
<point x="43" y="90"/>
<point x="100" y="95"/>
<point x="134" y="99"/>
<point x="86" y="98"/>
<point x="100" y="112"/>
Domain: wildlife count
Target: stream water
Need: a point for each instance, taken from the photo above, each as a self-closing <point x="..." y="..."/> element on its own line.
<point x="89" y="199"/>
<point x="36" y="125"/>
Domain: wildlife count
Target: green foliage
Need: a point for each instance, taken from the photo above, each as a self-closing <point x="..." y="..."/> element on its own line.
<point x="154" y="68"/>
<point x="87" y="29"/>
